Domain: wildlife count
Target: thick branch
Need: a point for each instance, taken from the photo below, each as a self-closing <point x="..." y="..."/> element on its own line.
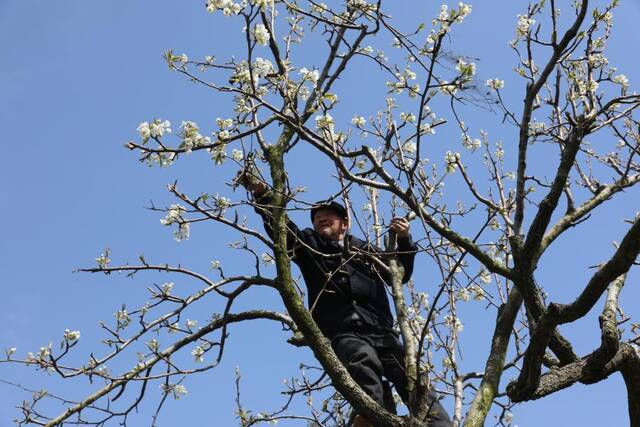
<point x="532" y="92"/>
<point x="557" y="314"/>
<point x="488" y="389"/>
<point x="548" y="205"/>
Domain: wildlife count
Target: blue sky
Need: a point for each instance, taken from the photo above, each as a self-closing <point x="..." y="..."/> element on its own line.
<point x="77" y="78"/>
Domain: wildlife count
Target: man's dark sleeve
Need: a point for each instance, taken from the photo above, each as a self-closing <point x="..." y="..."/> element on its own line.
<point x="263" y="206"/>
<point x="406" y="255"/>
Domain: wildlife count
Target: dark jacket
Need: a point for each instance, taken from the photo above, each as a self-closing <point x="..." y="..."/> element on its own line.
<point x="342" y="283"/>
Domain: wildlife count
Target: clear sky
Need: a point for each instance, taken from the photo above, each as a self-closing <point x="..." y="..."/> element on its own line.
<point x="76" y="79"/>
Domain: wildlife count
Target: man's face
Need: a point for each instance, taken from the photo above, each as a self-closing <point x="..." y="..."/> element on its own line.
<point x="329" y="224"/>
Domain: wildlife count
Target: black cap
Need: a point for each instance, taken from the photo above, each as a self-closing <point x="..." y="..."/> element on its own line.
<point x="331" y="205"/>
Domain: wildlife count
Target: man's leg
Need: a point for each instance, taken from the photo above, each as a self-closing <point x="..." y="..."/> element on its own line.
<point x="362" y="362"/>
<point x="392" y="359"/>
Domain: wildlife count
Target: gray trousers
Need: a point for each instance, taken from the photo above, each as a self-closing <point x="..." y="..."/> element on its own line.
<point x="369" y="357"/>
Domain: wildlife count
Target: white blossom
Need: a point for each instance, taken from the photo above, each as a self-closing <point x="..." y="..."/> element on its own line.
<point x="471" y="144"/>
<point x="495" y="84"/>
<point x="465" y="69"/>
<point x="463" y="294"/>
<point x="447" y="363"/>
<point x="103" y="260"/>
<point x="227" y="7"/>
<point x="408" y="117"/>
<point x="485" y="276"/>
<point x="44" y="352"/>
<point x="597" y="60"/>
<point x="448" y="88"/>
<point x="362" y="5"/>
<point x="263" y="3"/>
<point x="451" y="158"/>
<point x="174" y="214"/>
<point x="453" y="322"/>
<point x="358" y="121"/>
<point x="166" y="288"/>
<point x="177" y="390"/>
<point x="409" y="147"/>
<point x="262" y="67"/>
<point x="71" y="336"/>
<point x="188" y="128"/>
<point x="267" y="259"/>
<point x="224" y="123"/>
<point x="319" y="7"/>
<point x="189" y="131"/>
<point x="508" y="417"/>
<point x="261" y="34"/>
<point x="190" y="324"/>
<point x="237" y="155"/>
<point x="144" y="131"/>
<point x="153" y="345"/>
<point x="122" y="318"/>
<point x="159" y="127"/>
<point x="218" y="154"/>
<point x="426" y="128"/>
<point x="367" y="49"/>
<point x="198" y="354"/>
<point x="621" y="79"/>
<point x="325" y="122"/>
<point x="310" y="75"/>
<point x="523" y="25"/>
<point x="478" y="292"/>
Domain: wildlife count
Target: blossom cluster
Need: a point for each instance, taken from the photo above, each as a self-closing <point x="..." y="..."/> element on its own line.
<point x="443" y="22"/>
<point x="494" y="84"/>
<point x="227" y="7"/>
<point x="41" y="357"/>
<point x="452" y="160"/>
<point x="466" y="70"/>
<point x="261" y="34"/>
<point x="524" y="25"/>
<point x="122" y="318"/>
<point x="471" y="144"/>
<point x="174" y="216"/>
<point x="358" y="121"/>
<point x="155" y="129"/>
<point x="248" y="76"/>
<point x="453" y="322"/>
<point x="309" y="75"/>
<point x="71" y="336"/>
<point x="402" y="83"/>
<point x="177" y="390"/>
<point x="103" y="260"/>
<point x="191" y="137"/>
<point x="362" y="5"/>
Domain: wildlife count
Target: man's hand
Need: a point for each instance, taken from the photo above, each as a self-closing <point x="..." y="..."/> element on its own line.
<point x="401" y="227"/>
<point x="251" y="182"/>
<point x="257" y="188"/>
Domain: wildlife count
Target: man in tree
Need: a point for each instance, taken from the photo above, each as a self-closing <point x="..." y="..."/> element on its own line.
<point x="347" y="296"/>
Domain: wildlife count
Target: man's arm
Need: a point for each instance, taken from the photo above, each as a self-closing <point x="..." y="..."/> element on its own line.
<point x="406" y="248"/>
<point x="262" y="197"/>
